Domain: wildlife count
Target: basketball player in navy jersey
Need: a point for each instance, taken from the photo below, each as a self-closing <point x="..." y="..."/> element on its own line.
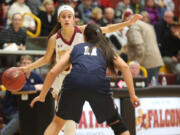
<point x="87" y="82"/>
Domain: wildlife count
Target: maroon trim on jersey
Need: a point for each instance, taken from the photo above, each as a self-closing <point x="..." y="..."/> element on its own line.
<point x="76" y="30"/>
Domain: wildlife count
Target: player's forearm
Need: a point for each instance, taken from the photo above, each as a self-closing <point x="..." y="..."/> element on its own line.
<point x="55" y="71"/>
<point x="115" y="27"/>
<point x="47" y="84"/>
<point x="40" y="62"/>
<point x="121" y="65"/>
<point x="128" y="79"/>
<point x="119" y="26"/>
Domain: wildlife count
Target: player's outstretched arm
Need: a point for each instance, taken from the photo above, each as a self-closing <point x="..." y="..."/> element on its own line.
<point x="82" y="28"/>
<point x="124" y="68"/>
<point x="118" y="26"/>
<point x="53" y="73"/>
<point x="44" y="59"/>
<point x="115" y="27"/>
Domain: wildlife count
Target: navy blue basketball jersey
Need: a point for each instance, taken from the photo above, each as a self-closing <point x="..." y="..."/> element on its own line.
<point x="88" y="70"/>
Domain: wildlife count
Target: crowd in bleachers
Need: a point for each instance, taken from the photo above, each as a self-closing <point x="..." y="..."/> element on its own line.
<point x="96" y="11"/>
<point x="150" y="42"/>
<point x="158" y="14"/>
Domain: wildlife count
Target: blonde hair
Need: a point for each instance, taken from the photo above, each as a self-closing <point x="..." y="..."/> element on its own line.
<point x="145" y="13"/>
<point x="26" y="57"/>
<point x="95" y="12"/>
<point x="42" y="7"/>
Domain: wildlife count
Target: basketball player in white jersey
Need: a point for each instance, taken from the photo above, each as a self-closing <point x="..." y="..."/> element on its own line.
<point x="63" y="37"/>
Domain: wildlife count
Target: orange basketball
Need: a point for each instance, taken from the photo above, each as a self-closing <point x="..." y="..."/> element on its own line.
<point x="13" y="79"/>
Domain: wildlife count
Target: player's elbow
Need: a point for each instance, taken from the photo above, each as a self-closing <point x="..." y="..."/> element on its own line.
<point x="47" y="60"/>
<point x="108" y="29"/>
<point x="124" y="67"/>
<point x="52" y="74"/>
<point x="105" y="29"/>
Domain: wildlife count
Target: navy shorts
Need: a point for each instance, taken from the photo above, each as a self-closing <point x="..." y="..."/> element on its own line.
<point x="71" y="104"/>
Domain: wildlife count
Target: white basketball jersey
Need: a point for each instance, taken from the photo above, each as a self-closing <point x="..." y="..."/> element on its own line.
<point x="61" y="47"/>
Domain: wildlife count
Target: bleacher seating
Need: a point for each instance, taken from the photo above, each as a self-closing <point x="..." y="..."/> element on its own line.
<point x="36" y="43"/>
<point x="164" y="70"/>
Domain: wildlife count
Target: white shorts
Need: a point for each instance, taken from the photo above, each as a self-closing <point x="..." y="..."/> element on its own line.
<point x="57" y="84"/>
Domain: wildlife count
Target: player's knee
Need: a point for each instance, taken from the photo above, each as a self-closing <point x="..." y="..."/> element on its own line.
<point x="118" y="128"/>
<point x="58" y="121"/>
<point x="117" y="124"/>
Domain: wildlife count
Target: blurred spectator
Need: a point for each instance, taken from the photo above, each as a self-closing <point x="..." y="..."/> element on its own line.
<point x="19" y="6"/>
<point x="13" y="37"/>
<point x="9" y="111"/>
<point x="97" y="2"/>
<point x="151" y="8"/>
<point x="8" y="2"/>
<point x="119" y="39"/>
<point x="9" y="108"/>
<point x="134" y="67"/>
<point x="121" y="7"/>
<point x="145" y="15"/>
<point x="178" y="68"/>
<point x="168" y="4"/>
<point x="128" y="12"/>
<point x="136" y="6"/>
<point x="163" y="5"/>
<point x="162" y="28"/>
<point x="115" y="40"/>
<point x="123" y="53"/>
<point x="171" y="49"/>
<point x="109" y="16"/>
<point x="4" y="11"/>
<point x="175" y="30"/>
<point x="1" y="16"/>
<point x="106" y="3"/>
<point x="169" y="35"/>
<point x="142" y="47"/>
<point x="96" y="16"/>
<point x="84" y="10"/>
<point x="33" y="80"/>
<point x="13" y="33"/>
<point x="179" y="16"/>
<point x="72" y="3"/>
<point x="58" y="3"/>
<point x="48" y="17"/>
<point x="34" y="5"/>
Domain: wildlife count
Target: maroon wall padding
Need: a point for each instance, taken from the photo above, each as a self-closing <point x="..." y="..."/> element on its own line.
<point x="171" y="78"/>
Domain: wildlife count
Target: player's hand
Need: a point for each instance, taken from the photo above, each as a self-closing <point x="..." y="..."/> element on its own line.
<point x="135" y="18"/>
<point x="135" y="101"/>
<point x="24" y="69"/>
<point x="36" y="99"/>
